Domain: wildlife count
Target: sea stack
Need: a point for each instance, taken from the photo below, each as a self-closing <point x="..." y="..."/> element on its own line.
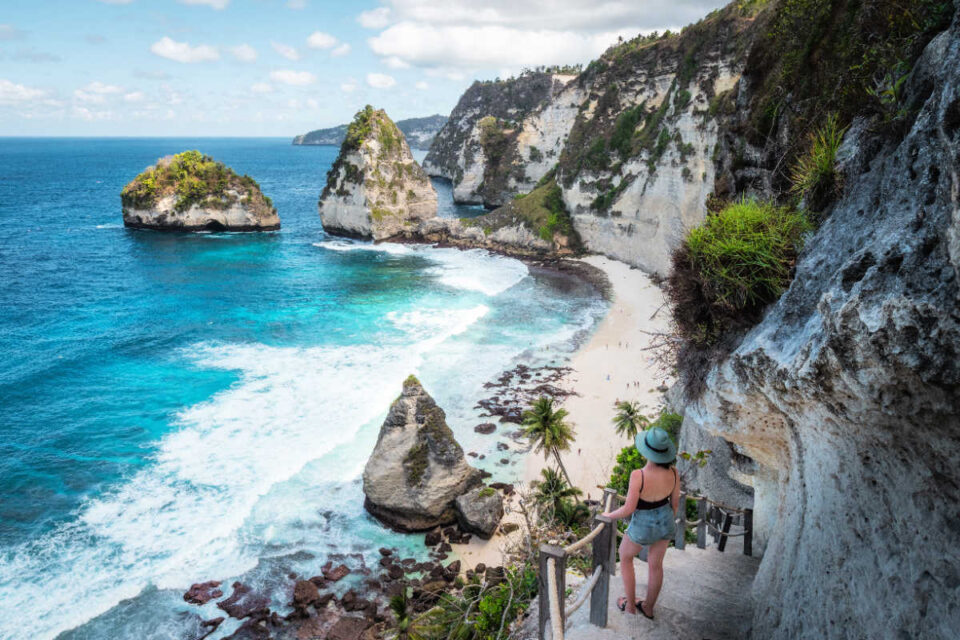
<point x="375" y="189"/>
<point x="192" y="192"/>
<point x="417" y="469"/>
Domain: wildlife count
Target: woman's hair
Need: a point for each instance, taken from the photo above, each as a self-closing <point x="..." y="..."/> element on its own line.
<point x="665" y="465"/>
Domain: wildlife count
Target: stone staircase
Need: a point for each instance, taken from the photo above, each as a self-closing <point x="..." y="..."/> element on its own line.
<point x="706" y="595"/>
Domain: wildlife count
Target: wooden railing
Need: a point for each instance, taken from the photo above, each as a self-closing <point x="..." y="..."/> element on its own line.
<point x="553" y="569"/>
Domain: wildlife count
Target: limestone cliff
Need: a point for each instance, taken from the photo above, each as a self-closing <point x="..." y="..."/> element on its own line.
<point x="632" y="137"/>
<point x="375" y="188"/>
<point x="192" y="192"/>
<point x="417" y="469"/>
<point x="482" y="146"/>
<point x="842" y="406"/>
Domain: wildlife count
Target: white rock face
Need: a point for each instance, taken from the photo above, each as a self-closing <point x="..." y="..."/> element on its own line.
<point x="235" y="217"/>
<point x="847" y="394"/>
<point x="417" y="469"/>
<point x="651" y="216"/>
<point x="376" y="189"/>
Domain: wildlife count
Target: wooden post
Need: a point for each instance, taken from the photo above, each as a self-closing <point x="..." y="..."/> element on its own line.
<point x="560" y="561"/>
<point x="727" y="521"/>
<point x="611" y="495"/>
<point x="702" y="526"/>
<point x="748" y="532"/>
<point x="601" y="558"/>
<point x="680" y="534"/>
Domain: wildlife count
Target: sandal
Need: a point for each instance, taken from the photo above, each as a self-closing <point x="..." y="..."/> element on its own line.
<point x="622" y="604"/>
<point x="640" y="609"/>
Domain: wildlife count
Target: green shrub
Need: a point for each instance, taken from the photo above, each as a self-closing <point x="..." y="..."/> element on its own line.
<point x="669" y="422"/>
<point x="732" y="266"/>
<point x="814" y="175"/>
<point x="359" y="129"/>
<point x="628" y="460"/>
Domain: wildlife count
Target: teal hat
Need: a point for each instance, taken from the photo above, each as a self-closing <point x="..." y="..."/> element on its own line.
<point x="655" y="444"/>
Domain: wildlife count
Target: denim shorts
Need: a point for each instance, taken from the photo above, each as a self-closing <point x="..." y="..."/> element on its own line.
<point x="647" y="527"/>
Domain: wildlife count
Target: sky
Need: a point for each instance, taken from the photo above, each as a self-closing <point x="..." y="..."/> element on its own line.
<point x="283" y="67"/>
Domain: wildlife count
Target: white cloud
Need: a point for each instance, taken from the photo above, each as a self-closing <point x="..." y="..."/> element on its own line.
<point x="380" y="80"/>
<point x="244" y="52"/>
<point x="10" y="32"/>
<point x="285" y="50"/>
<point x="375" y="18"/>
<point x="261" y="87"/>
<point x="313" y="103"/>
<point x="296" y="4"/>
<point x="12" y="93"/>
<point x="165" y="47"/>
<point x="321" y="40"/>
<point x="428" y="45"/>
<point x="295" y="78"/>
<point x="133" y="96"/>
<point x="396" y="63"/>
<point x="467" y="35"/>
<point x="422" y="85"/>
<point x="96" y="92"/>
<point x="342" y="50"/>
<point x="214" y="4"/>
<point x="349" y="86"/>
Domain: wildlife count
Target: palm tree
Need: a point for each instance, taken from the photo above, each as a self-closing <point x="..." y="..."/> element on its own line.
<point x="409" y="626"/>
<point x="629" y="421"/>
<point x="552" y="491"/>
<point x="548" y="430"/>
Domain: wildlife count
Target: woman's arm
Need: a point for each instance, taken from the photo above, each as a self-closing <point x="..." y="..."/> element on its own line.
<point x="675" y="496"/>
<point x="633" y="495"/>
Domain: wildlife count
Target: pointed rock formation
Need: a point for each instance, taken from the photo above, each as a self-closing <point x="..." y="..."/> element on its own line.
<point x="417" y="469"/>
<point x="375" y="189"/>
<point x="192" y="192"/>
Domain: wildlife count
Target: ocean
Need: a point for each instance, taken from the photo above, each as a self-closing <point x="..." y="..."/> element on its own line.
<point x="177" y="408"/>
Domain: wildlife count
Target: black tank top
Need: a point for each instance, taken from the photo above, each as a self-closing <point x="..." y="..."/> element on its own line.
<point x="643" y="505"/>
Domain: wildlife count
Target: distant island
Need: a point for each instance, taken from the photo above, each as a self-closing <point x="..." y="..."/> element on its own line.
<point x="419" y="132"/>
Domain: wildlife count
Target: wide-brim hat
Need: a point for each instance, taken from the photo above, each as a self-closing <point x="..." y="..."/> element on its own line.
<point x="655" y="444"/>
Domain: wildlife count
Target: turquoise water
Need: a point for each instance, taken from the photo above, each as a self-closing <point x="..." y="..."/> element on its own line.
<point x="176" y="408"/>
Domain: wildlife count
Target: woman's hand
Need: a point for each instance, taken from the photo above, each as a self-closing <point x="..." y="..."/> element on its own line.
<point x="608" y="514"/>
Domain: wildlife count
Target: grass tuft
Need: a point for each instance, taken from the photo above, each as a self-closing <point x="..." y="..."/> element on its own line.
<point x="814" y="176"/>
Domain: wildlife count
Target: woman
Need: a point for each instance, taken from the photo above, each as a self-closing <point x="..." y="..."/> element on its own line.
<point x="652" y="500"/>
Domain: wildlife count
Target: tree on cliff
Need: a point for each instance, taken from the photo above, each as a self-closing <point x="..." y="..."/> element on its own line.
<point x="552" y="492"/>
<point x="548" y="430"/>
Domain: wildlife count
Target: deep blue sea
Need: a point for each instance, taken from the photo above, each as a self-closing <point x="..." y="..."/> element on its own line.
<point x="186" y="407"/>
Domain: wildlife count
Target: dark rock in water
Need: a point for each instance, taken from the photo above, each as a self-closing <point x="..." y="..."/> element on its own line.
<point x="417" y="468"/>
<point x="504" y="461"/>
<point x="395" y="572"/>
<point x="250" y="630"/>
<point x="409" y="562"/>
<point x="320" y="581"/>
<point x="445" y="548"/>
<point x="485" y="474"/>
<point x="432" y="539"/>
<point x="386" y="562"/>
<point x="480" y="511"/>
<point x="348" y="628"/>
<point x="502" y="446"/>
<point x="211" y="626"/>
<point x="473" y="454"/>
<point x="333" y="574"/>
<point x="305" y="593"/>
<point x="203" y="592"/>
<point x="322" y="601"/>
<point x="453" y="569"/>
<point x="385" y="552"/>
<point x="244" y="602"/>
<point x="485" y="428"/>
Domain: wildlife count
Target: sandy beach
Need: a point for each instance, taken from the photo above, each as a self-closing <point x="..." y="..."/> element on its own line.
<point x="611" y="366"/>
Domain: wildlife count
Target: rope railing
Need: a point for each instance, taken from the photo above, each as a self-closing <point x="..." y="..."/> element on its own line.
<point x="552" y="579"/>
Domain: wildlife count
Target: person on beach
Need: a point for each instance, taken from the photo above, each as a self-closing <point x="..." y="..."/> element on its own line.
<point x="653" y="497"/>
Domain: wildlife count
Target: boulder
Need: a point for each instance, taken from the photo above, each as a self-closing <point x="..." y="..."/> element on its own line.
<point x="485" y="428"/>
<point x="348" y="628"/>
<point x="375" y="188"/>
<point x="479" y="511"/>
<point x="244" y="602"/>
<point x="417" y="469"/>
<point x="305" y="593"/>
<point x="203" y="592"/>
<point x="217" y="200"/>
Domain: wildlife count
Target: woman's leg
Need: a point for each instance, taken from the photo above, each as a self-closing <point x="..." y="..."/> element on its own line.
<point x="655" y="575"/>
<point x="629" y="549"/>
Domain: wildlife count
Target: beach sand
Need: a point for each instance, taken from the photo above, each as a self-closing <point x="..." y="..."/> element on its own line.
<point x="611" y="366"/>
